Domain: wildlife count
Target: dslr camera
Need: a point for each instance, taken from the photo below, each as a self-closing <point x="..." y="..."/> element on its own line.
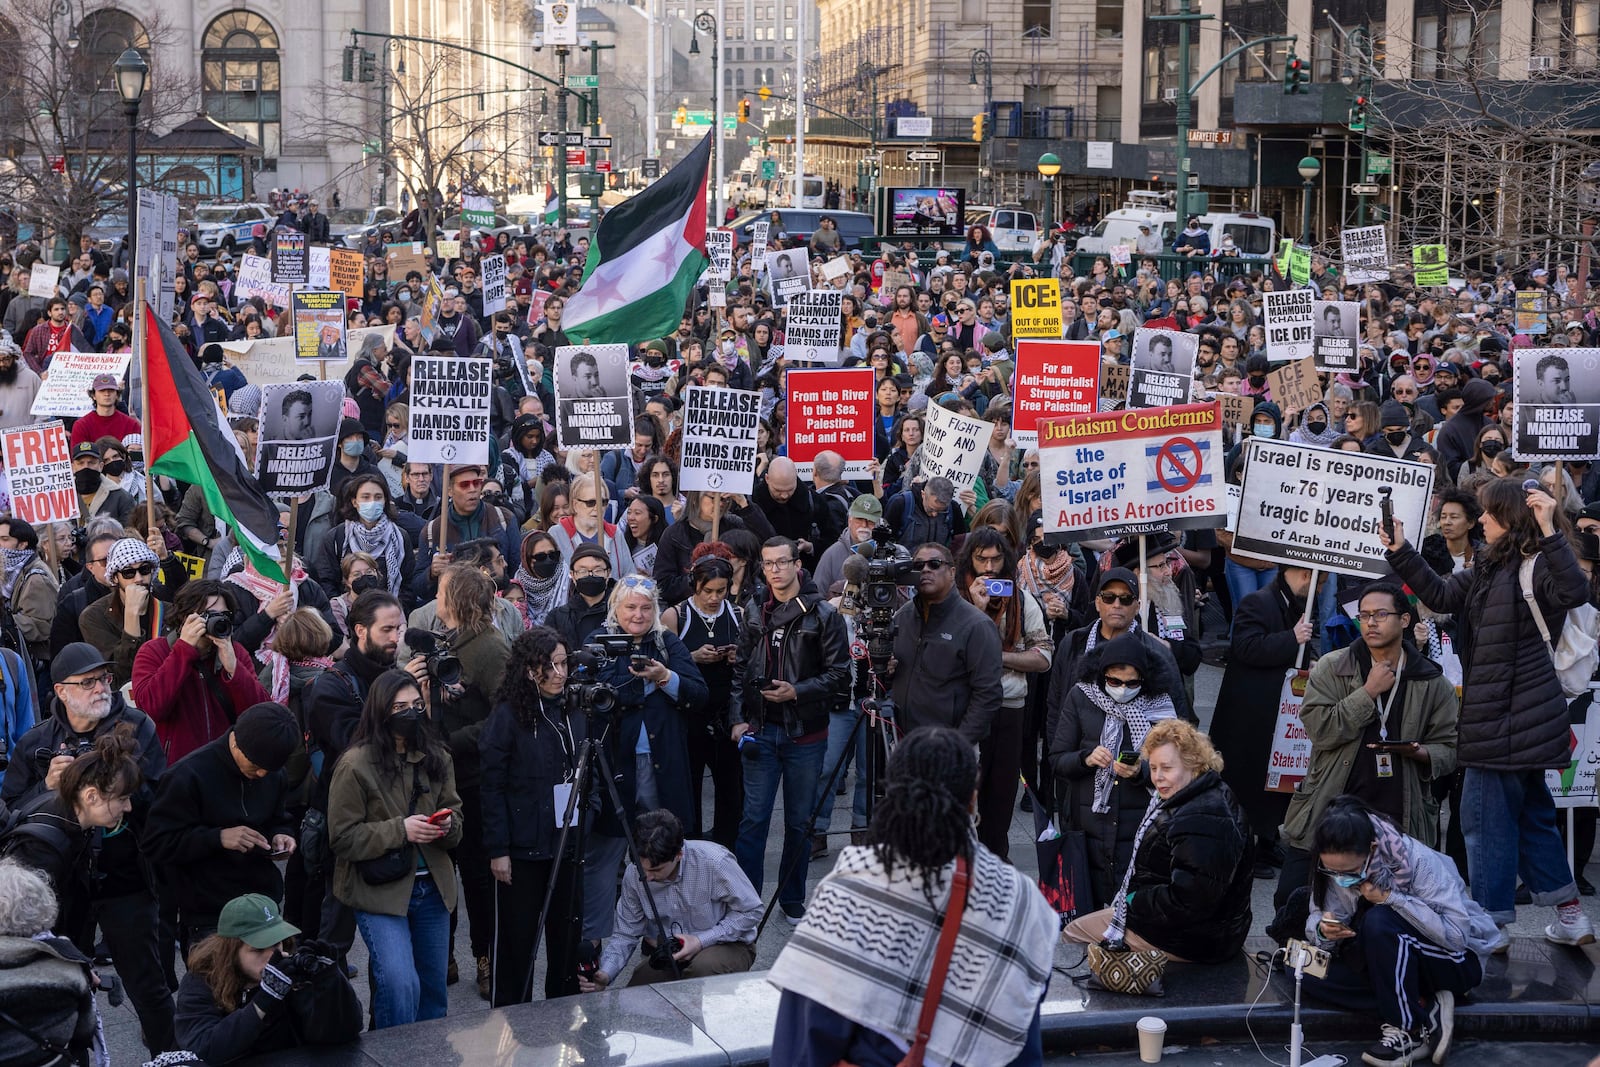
<point x="661" y="955"/>
<point x="218" y="623"/>
<point x="441" y="661"/>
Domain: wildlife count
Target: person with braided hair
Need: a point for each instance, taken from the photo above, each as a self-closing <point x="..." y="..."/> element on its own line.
<point x="847" y="993"/>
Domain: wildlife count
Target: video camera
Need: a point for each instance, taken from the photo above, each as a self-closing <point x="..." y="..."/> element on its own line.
<point x="585" y="691"/>
<point x="441" y="661"/>
<point x="872" y="575"/>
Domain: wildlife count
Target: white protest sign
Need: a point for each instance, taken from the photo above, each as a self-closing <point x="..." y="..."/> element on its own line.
<point x="44" y="280"/>
<point x="265" y="360"/>
<point x="494" y="283"/>
<point x="449" y="409"/>
<point x="38" y="469"/>
<point x="1366" y="254"/>
<point x="1121" y="255"/>
<point x="1308" y="506"/>
<point x="815" y="324"/>
<point x="1574" y="786"/>
<point x="65" y="393"/>
<point x="157" y="241"/>
<point x="1289" y="314"/>
<point x="1290" y="758"/>
<point x="836" y="268"/>
<point x="759" y="232"/>
<point x="719" y="247"/>
<point x="719" y="440"/>
<point x="318" y="261"/>
<point x="953" y="446"/>
<point x="594" y="399"/>
<point x="1163" y="367"/>
<point x="255" y="279"/>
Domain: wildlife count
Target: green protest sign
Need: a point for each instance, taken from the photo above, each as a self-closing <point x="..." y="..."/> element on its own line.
<point x="1281" y="261"/>
<point x="1299" y="264"/>
<point x="1429" y="265"/>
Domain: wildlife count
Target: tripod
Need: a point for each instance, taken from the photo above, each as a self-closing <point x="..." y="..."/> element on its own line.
<point x="591" y="756"/>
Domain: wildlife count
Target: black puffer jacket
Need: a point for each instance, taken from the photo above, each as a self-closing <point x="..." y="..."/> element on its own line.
<point x="1513" y="713"/>
<point x="1192" y="877"/>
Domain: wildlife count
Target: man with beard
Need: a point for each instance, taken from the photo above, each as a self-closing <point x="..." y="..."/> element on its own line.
<point x="124" y="619"/>
<point x="81" y="590"/>
<point x="196" y="682"/>
<point x="947" y="664"/>
<point x="55" y="334"/>
<point x="19" y="385"/>
<point x="120" y="899"/>
<point x="862" y="518"/>
<point x="1172" y="616"/>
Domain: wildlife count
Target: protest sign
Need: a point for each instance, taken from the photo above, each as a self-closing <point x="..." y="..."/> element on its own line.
<point x="1556" y="397"/>
<point x="447" y="248"/>
<point x="1308" y="506"/>
<point x="831" y="411"/>
<point x="477" y="211"/>
<point x="836" y="268"/>
<point x="1123" y="473"/>
<point x="1052" y="378"/>
<point x="759" y="231"/>
<point x="719" y="248"/>
<point x="1290" y="758"/>
<point x="788" y="273"/>
<point x="953" y="446"/>
<point x="65" y="393"/>
<point x="1574" y="785"/>
<point x="493" y="269"/>
<point x="1036" y="307"/>
<point x="194" y="566"/>
<point x="289" y="257"/>
<point x="1236" y="409"/>
<point x="405" y="257"/>
<point x="1280" y="262"/>
<point x="1294" y="386"/>
<point x="264" y="360"/>
<point x="45" y="281"/>
<point x="319" y="326"/>
<point x="1113" y="385"/>
<point x="255" y="279"/>
<point x="450" y="398"/>
<point x="1162" y="369"/>
<point x="299" y="433"/>
<point x="536" y="302"/>
<point x="594" y="402"/>
<point x="156" y="240"/>
<point x="318" y="267"/>
<point x="1288" y="320"/>
<point x="346" y="270"/>
<point x="720" y="427"/>
<point x="1366" y="254"/>
<point x="1336" y="327"/>
<point x="1429" y="265"/>
<point x="1121" y="255"/>
<point x="1531" y="317"/>
<point x="39" y="473"/>
<point x="1299" y="265"/>
<point x="432" y="304"/>
<point x="815" y="323"/>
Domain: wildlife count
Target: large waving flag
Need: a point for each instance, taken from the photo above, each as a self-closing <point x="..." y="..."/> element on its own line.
<point x="188" y="439"/>
<point x="644" y="259"/>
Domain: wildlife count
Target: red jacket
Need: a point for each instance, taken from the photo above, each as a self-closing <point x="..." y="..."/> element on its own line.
<point x="168" y="687"/>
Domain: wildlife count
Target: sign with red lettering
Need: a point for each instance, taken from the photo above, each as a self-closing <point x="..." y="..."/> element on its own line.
<point x="1052" y="378"/>
<point x="832" y="411"/>
<point x="1291" y="748"/>
<point x="39" y="471"/>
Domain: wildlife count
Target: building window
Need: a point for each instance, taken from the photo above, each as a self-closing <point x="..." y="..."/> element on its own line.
<point x="239" y="73"/>
<point x="1036" y="18"/>
<point x="1426" y="57"/>
<point x="788" y="33"/>
<point x="104" y="35"/>
<point x="1488" y="45"/>
<point x="1322" y="57"/>
<point x="1585" y="33"/>
<point x="1152" y="75"/>
<point x="1547" y="31"/>
<point x="974" y="12"/>
<point x="1108" y="113"/>
<point x="1108" y="19"/>
<point x="1459" y="61"/>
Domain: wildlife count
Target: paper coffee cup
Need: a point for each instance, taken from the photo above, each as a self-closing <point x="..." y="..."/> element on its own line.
<point x="1152" y="1034"/>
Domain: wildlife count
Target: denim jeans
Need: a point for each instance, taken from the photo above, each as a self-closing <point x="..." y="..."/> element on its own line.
<point x="409" y="957"/>
<point x="1509" y="822"/>
<point x="771" y="756"/>
<point x="841" y="728"/>
<point x="1242" y="581"/>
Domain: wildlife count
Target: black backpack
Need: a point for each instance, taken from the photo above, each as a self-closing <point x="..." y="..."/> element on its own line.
<point x="48" y="1016"/>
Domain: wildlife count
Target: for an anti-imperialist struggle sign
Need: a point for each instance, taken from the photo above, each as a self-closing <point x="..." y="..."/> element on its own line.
<point x="450" y="409"/>
<point x="720" y="428"/>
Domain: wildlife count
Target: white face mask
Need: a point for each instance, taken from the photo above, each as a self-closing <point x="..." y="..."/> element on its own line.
<point x="1120" y="693"/>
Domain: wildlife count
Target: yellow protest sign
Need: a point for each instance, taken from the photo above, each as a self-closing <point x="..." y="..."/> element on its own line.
<point x="1036" y="307"/>
<point x="194" y="565"/>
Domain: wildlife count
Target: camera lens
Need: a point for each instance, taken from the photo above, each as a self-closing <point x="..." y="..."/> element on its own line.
<point x="219" y="624"/>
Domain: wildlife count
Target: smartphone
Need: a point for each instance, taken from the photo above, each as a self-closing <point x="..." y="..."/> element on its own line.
<point x="442" y="815"/>
<point x="1128" y="755"/>
<point x="998" y="587"/>
<point x="639" y="662"/>
<point x="278" y="854"/>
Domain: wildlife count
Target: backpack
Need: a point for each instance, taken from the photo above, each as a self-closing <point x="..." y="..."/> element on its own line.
<point x="1576" y="654"/>
<point x="917" y="528"/>
<point x="48" y="1016"/>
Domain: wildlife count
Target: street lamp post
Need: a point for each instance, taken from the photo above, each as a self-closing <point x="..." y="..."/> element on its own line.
<point x="869" y="71"/>
<point x="131" y="72"/>
<point x="1309" y="168"/>
<point x="709" y="24"/>
<point x="1049" y="167"/>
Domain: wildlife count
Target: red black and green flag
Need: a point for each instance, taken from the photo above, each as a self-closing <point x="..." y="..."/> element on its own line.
<point x="644" y="259"/>
<point x="189" y="439"/>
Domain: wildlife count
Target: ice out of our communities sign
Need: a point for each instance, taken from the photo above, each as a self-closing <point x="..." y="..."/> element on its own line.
<point x="1036" y="307"/>
<point x="721" y="430"/>
<point x="1556" y="396"/>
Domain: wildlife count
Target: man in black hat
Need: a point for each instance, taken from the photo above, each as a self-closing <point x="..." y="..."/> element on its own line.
<point x="220" y="820"/>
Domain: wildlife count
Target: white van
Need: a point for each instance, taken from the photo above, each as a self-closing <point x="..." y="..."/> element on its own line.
<point x="1254" y="235"/>
<point x="1012" y="228"/>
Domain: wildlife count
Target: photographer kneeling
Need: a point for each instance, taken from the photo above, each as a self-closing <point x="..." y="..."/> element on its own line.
<point x="243" y="997"/>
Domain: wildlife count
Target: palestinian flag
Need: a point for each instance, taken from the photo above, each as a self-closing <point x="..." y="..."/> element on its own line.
<point x="188" y="439"/>
<point x="644" y="259"/>
<point x="552" y="206"/>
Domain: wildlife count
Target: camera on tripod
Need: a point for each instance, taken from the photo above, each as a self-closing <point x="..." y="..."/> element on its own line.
<point x="585" y="691"/>
<point x="435" y="650"/>
<point x="872" y="577"/>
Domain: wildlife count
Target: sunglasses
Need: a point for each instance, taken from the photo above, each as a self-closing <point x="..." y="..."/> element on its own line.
<point x="393" y="426"/>
<point x="143" y="570"/>
<point x="545" y="557"/>
<point x="927" y="564"/>
<point x="1127" y="600"/>
<point x="469" y="483"/>
<point x="587" y="502"/>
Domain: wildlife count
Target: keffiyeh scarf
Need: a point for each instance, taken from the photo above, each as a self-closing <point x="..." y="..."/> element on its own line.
<point x="540" y="596"/>
<point x="1136" y="715"/>
<point x="383" y="542"/>
<point x="1119" y="909"/>
<point x="17" y="560"/>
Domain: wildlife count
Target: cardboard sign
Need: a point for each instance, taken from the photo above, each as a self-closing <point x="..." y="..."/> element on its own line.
<point x="39" y="473"/>
<point x="1294" y="386"/>
<point x="346" y="270"/>
<point x="447" y="248"/>
<point x="594" y="402"/>
<point x="65" y="393"/>
<point x="299" y="436"/>
<point x="814" y="327"/>
<point x="319" y="326"/>
<point x="836" y="268"/>
<point x="405" y="257"/>
<point x="1366" y="253"/>
<point x="194" y="566"/>
<point x="1288" y="317"/>
<point x="788" y="274"/>
<point x="450" y="398"/>
<point x="1052" y="378"/>
<point x="1123" y="473"/>
<point x="317" y="266"/>
<point x="45" y="281"/>
<point x="720" y="428"/>
<point x="1556" y="396"/>
<point x="1163" y="367"/>
<point x="719" y="248"/>
<point x="1309" y="506"/>
<point x="493" y="269"/>
<point x="1114" y="378"/>
<point x="1429" y="265"/>
<point x="1290" y="759"/>
<point x="255" y="279"/>
<point x="266" y="359"/>
<point x="832" y="410"/>
<point x="289" y="258"/>
<point x="1336" y="331"/>
<point x="1236" y="409"/>
<point x="953" y="446"/>
<point x="1036" y="307"/>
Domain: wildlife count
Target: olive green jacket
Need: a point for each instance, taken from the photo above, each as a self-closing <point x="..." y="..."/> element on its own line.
<point x="366" y="818"/>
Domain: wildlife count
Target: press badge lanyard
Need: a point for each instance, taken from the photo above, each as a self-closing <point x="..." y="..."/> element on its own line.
<point x="1388" y="700"/>
<point x="569" y="748"/>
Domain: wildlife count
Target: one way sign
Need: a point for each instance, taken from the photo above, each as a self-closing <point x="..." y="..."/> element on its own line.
<point x="552" y="139"/>
<point x="596" y="141"/>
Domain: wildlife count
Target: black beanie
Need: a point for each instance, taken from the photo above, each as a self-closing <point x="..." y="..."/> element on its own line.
<point x="267" y="735"/>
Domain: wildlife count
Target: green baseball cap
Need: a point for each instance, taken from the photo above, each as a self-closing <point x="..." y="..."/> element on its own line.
<point x="255" y="920"/>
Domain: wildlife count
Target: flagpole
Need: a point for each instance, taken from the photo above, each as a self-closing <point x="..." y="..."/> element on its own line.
<point x="141" y="353"/>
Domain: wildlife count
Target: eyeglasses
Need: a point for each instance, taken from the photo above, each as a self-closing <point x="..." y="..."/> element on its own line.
<point x="1030" y="464"/>
<point x="143" y="570"/>
<point x="587" y="502"/>
<point x="417" y="706"/>
<point x="1370" y="617"/>
<point x="927" y="564"/>
<point x="601" y="572"/>
<point x="101" y="562"/>
<point x="1127" y="600"/>
<point x="1351" y="415"/>
<point x="469" y="483"/>
<point x="777" y="564"/>
<point x="90" y="684"/>
<point x="394" y="426"/>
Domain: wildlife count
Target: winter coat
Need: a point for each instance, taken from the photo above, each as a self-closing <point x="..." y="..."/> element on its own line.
<point x="815" y="658"/>
<point x="1513" y="712"/>
<point x="33" y="605"/>
<point x="483" y="659"/>
<point x="577" y="619"/>
<point x="1336" y="712"/>
<point x="1067" y="670"/>
<point x="671" y="570"/>
<point x="567" y="538"/>
<point x="948" y="667"/>
<point x="521" y="766"/>
<point x="367" y="810"/>
<point x="188" y="696"/>
<point x="1193" y="874"/>
<point x="324" y="1011"/>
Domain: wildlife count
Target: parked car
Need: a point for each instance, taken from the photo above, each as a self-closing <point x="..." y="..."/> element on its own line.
<point x="854" y="226"/>
<point x="351" y="225"/>
<point x="108" y="231"/>
<point x="224" y="227"/>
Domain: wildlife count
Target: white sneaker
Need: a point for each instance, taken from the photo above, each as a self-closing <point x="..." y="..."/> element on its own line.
<point x="1442" y="1023"/>
<point x="1574" y="933"/>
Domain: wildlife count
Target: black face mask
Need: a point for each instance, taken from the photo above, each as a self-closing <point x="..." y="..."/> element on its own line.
<point x="544" y="568"/>
<point x="86" y="481"/>
<point x="1257" y="379"/>
<point x="1397" y="437"/>
<point x="406" y="725"/>
<point x="591" y="586"/>
<point x="1316" y="428"/>
<point x="1491" y="447"/>
<point x="116" y="468"/>
<point x="367" y="583"/>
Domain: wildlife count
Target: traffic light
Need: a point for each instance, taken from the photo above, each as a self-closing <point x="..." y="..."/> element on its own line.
<point x="347" y="72"/>
<point x="1358" y="115"/>
<point x="744" y="110"/>
<point x="369" y="66"/>
<point x="1295" y="74"/>
<point x="1303" y="76"/>
<point x="977" y="127"/>
<point x="682" y="117"/>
